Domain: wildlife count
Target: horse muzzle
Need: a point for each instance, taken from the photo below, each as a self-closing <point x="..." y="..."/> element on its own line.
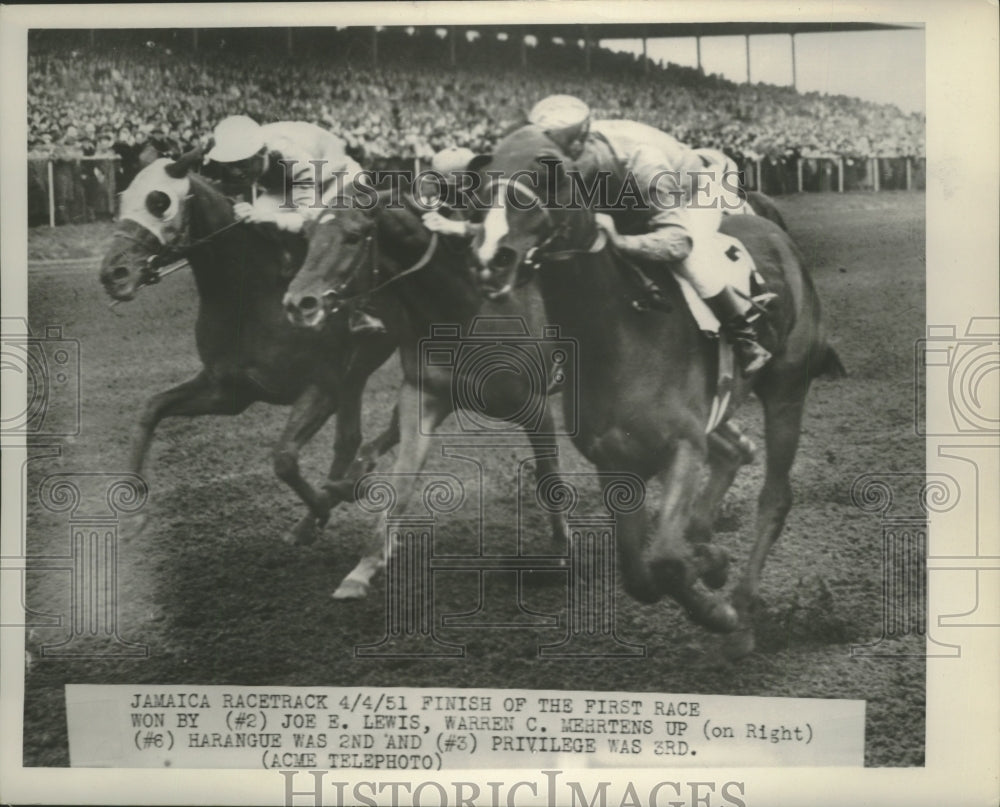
<point x="120" y="282"/>
<point x="310" y="310"/>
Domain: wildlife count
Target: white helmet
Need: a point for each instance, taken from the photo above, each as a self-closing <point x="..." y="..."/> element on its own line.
<point x="565" y="118"/>
<point x="452" y="159"/>
<point x="559" y="112"/>
<point x="236" y="138"/>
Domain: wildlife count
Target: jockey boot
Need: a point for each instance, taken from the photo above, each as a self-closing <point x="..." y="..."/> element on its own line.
<point x="363" y="322"/>
<point x="737" y="317"/>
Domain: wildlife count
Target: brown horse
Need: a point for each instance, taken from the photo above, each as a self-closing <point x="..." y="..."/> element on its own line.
<point x="248" y="349"/>
<point x="427" y="283"/>
<point x="647" y="380"/>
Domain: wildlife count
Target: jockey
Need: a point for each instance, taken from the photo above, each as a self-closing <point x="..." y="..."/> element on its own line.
<point x="450" y="162"/>
<point x="676" y="234"/>
<point x="252" y="153"/>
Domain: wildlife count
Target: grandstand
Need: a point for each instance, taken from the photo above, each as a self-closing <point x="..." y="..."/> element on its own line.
<point x="402" y="95"/>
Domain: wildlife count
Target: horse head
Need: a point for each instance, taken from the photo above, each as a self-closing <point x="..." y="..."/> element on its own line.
<point x="351" y="244"/>
<point x="532" y="211"/>
<point x="154" y="223"/>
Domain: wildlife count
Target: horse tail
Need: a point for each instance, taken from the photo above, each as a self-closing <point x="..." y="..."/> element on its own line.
<point x="827" y="361"/>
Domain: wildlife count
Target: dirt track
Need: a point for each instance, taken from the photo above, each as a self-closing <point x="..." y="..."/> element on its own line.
<point x="218" y="598"/>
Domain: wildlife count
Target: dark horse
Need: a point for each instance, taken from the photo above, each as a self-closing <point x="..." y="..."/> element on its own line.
<point x="248" y="349"/>
<point x="647" y="380"/>
<point x="427" y="283"/>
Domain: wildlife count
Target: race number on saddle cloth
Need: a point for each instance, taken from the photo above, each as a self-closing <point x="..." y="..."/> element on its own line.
<point x="679" y="222"/>
<point x="312" y="156"/>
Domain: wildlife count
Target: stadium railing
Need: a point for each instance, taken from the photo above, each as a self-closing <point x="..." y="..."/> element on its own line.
<point x="831" y="172"/>
<point x="74" y="190"/>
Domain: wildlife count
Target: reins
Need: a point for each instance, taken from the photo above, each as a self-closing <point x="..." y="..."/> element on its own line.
<point x="176" y="257"/>
<point x="370" y="250"/>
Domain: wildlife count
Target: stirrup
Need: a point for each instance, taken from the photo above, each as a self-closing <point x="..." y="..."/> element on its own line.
<point x="759" y="304"/>
<point x="752" y="356"/>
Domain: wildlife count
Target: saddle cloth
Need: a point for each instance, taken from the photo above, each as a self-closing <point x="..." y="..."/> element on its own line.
<point x="739" y="268"/>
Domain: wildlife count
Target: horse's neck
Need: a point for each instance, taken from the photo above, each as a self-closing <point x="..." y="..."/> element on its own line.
<point x="227" y="260"/>
<point x="582" y="296"/>
<point x="440" y="292"/>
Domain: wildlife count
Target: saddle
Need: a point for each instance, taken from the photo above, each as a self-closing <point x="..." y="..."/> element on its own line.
<point x="742" y="275"/>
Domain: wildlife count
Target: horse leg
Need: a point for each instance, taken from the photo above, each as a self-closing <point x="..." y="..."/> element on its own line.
<point x="782" y="423"/>
<point x="417" y="421"/>
<point x="196" y="396"/>
<point x="342" y="482"/>
<point x="312" y="409"/>
<point x="671" y="567"/>
<point x="347" y="466"/>
<point x="728" y="450"/>
<point x="546" y="452"/>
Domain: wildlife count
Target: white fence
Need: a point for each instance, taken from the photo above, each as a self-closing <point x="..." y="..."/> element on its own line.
<point x="834" y="173"/>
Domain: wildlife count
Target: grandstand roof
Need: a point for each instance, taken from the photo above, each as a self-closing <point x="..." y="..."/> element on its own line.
<point x="683" y="29"/>
<point x="666" y="30"/>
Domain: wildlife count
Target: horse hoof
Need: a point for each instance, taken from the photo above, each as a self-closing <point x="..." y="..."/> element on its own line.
<point x="304" y="532"/>
<point x="351" y="590"/>
<point x="715" y="615"/>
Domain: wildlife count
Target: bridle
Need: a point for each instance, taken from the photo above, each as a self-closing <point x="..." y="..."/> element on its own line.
<point x="334" y="298"/>
<point x="170" y="259"/>
<point x="542" y="253"/>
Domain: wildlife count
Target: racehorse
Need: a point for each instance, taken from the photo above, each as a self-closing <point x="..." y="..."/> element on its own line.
<point x="428" y="282"/>
<point x="764" y="206"/>
<point x="248" y="350"/>
<point x="647" y="379"/>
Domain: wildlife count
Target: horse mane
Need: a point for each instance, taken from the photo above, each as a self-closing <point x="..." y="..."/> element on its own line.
<point x="246" y="250"/>
<point x="439" y="284"/>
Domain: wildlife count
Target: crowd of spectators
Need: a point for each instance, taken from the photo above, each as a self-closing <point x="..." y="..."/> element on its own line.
<point x="133" y="97"/>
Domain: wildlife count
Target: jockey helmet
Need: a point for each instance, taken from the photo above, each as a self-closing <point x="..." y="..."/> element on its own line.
<point x="236" y="138"/>
<point x="452" y="159"/>
<point x="565" y="118"/>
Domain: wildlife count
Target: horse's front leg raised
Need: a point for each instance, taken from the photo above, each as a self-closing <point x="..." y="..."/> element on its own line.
<point x="672" y="568"/>
<point x="197" y="396"/>
<point x="312" y="409"/>
<point x="418" y="418"/>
